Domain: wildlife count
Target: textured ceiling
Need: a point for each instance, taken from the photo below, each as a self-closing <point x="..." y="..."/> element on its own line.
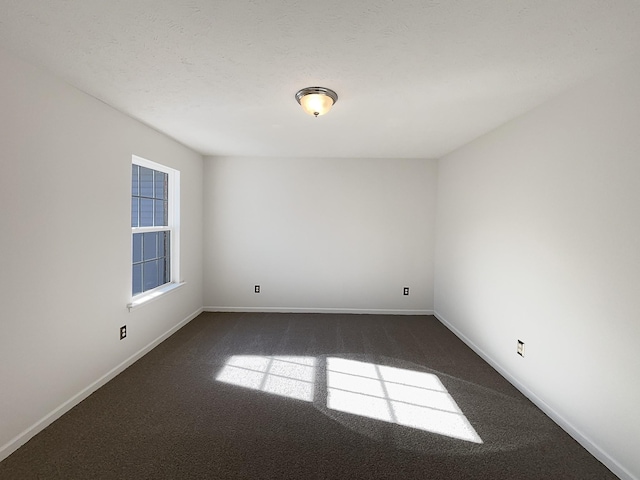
<point x="415" y="78"/>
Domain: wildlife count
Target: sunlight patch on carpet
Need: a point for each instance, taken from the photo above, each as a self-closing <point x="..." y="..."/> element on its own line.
<point x="287" y="376"/>
<point x="396" y="395"/>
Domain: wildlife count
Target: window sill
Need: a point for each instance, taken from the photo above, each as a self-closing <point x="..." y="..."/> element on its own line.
<point x="148" y="297"/>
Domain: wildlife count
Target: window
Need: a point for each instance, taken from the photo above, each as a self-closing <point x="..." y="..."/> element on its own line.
<point x="154" y="221"/>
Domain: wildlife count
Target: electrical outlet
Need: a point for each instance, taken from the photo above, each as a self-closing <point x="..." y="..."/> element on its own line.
<point x="405" y="291"/>
<point x="520" y="348"/>
<point x="257" y="289"/>
<point x="123" y="332"/>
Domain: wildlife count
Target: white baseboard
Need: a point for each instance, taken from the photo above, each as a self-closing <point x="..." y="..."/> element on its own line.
<point x="373" y="311"/>
<point x="582" y="439"/>
<point x="22" y="438"/>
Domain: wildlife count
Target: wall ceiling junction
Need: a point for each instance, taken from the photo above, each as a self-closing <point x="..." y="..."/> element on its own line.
<point x="415" y="78"/>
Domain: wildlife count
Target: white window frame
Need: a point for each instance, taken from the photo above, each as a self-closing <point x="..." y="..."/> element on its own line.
<point x="174" y="232"/>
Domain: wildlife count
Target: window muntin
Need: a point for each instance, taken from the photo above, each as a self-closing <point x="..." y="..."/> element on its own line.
<point x="153" y="224"/>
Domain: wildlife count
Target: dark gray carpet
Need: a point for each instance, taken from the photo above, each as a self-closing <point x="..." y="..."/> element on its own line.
<point x="168" y="417"/>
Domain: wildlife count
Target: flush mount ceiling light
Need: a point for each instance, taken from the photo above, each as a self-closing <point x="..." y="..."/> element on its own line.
<point x="316" y="100"/>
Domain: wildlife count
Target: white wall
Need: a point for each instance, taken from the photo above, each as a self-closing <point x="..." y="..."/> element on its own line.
<point x="65" y="274"/>
<point x="538" y="238"/>
<point x="319" y="234"/>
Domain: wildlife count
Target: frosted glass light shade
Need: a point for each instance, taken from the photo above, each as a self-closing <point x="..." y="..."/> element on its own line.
<point x="316" y="104"/>
<point x="316" y="100"/>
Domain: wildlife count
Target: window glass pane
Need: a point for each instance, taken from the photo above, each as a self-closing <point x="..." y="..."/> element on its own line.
<point x="146" y="212"/>
<point x="150" y="275"/>
<point x="146" y="182"/>
<point x="134" y="179"/>
<point x="135" y="210"/>
<point x="137" y="279"/>
<point x="161" y="183"/>
<point x="150" y="247"/>
<point x="161" y="217"/>
<point x="137" y="247"/>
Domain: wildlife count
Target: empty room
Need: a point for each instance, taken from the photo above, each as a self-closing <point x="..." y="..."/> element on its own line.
<point x="302" y="240"/>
